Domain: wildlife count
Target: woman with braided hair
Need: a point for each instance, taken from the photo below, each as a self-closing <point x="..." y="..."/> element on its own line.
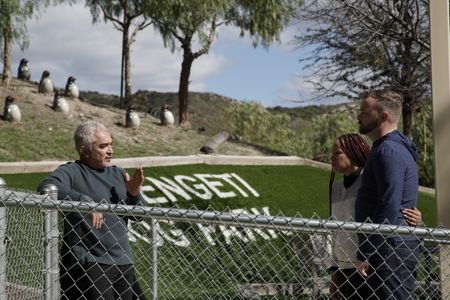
<point x="349" y="154"/>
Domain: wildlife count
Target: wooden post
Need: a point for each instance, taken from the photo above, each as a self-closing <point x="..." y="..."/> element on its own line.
<point x="440" y="86"/>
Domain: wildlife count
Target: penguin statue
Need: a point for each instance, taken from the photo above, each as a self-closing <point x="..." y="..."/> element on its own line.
<point x="132" y="118"/>
<point x="11" y="111"/>
<point x="23" y="71"/>
<point x="71" y="90"/>
<point x="166" y="115"/>
<point x="60" y="104"/>
<point x="46" y="83"/>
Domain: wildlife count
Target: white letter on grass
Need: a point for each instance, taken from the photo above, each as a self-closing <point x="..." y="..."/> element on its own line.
<point x="206" y="195"/>
<point x="214" y="184"/>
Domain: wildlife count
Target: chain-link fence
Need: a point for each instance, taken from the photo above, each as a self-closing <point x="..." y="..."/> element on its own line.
<point x="193" y="254"/>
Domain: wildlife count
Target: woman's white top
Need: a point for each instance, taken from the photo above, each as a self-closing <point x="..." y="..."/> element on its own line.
<point x="344" y="244"/>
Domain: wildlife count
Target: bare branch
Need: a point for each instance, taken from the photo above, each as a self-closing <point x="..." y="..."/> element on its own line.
<point x="209" y="41"/>
<point x="109" y="17"/>
<point x="141" y="26"/>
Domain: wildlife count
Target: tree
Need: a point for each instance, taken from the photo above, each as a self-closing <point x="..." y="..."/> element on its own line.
<point x="13" y="28"/>
<point x="362" y="44"/>
<point x="124" y="14"/>
<point x="325" y="128"/>
<point x="422" y="131"/>
<point x="257" y="125"/>
<point x="13" y="17"/>
<point x="192" y="21"/>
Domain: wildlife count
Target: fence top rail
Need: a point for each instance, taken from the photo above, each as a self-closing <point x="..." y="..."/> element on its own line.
<point x="30" y="200"/>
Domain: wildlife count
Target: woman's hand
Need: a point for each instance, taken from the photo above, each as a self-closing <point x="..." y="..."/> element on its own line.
<point x="412" y="216"/>
<point x="97" y="220"/>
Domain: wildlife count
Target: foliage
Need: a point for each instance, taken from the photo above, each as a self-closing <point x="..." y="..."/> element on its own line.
<point x="257" y="125"/>
<point x="306" y="113"/>
<point x="273" y="130"/>
<point x="13" y="20"/>
<point x="422" y="131"/>
<point x="113" y="10"/>
<point x="13" y="29"/>
<point x="180" y="21"/>
<point x="190" y="21"/>
<point x="326" y="128"/>
<point x="263" y="20"/>
<point x="316" y="142"/>
<point x="15" y="14"/>
<point x="362" y="44"/>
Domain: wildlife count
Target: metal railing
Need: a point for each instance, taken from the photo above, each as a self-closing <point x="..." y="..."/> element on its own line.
<point x="194" y="254"/>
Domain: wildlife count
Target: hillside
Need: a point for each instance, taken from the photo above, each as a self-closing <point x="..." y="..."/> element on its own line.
<point x="206" y="110"/>
<point x="44" y="134"/>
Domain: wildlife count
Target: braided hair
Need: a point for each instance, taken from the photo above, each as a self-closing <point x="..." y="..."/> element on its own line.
<point x="356" y="149"/>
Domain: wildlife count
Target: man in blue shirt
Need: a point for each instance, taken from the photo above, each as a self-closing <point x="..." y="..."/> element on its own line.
<point x="389" y="185"/>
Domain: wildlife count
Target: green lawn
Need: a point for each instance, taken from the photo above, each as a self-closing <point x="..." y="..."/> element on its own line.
<point x="285" y="190"/>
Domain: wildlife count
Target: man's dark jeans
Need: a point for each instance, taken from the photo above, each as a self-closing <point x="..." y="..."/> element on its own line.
<point x="393" y="270"/>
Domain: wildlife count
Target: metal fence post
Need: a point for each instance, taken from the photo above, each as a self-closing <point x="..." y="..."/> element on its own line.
<point x="3" y="240"/>
<point x="154" y="225"/>
<point x="51" y="255"/>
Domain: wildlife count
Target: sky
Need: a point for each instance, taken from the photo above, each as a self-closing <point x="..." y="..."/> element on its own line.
<point x="64" y="41"/>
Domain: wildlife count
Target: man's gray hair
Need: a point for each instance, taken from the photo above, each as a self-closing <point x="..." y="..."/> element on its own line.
<point x="84" y="134"/>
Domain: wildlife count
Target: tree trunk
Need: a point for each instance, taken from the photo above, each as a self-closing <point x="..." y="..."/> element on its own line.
<point x="183" y="92"/>
<point x="127" y="57"/>
<point x="122" y="63"/>
<point x="407" y="82"/>
<point x="407" y="116"/>
<point x="126" y="67"/>
<point x="6" y="75"/>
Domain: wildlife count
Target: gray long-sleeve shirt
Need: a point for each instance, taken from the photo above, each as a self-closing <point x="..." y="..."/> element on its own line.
<point x="83" y="244"/>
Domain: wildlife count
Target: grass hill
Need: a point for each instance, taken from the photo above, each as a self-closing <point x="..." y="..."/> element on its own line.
<point x="44" y="134"/>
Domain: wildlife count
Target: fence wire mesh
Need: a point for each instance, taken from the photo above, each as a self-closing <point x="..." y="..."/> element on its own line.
<point x="194" y="254"/>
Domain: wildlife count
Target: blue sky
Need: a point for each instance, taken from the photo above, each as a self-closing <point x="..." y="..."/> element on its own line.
<point x="260" y="74"/>
<point x="65" y="42"/>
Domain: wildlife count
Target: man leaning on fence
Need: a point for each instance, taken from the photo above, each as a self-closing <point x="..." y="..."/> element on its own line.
<point x="97" y="262"/>
<point x="389" y="185"/>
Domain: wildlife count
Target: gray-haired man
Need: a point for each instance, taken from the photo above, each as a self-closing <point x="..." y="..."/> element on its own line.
<point x="97" y="261"/>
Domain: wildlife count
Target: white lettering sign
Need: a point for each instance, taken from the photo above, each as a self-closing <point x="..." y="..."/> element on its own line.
<point x="200" y="186"/>
<point x="168" y="232"/>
